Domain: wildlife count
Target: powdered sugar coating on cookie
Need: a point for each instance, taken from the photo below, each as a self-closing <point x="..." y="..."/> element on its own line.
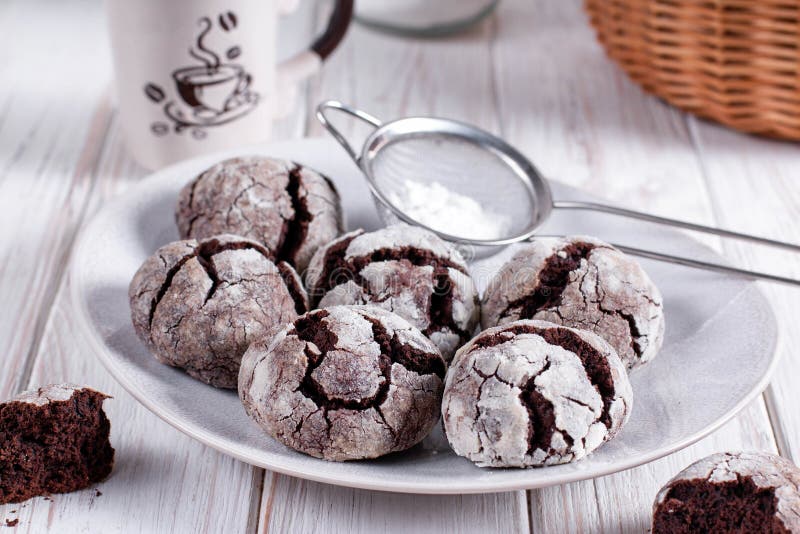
<point x="532" y="393"/>
<point x="580" y="282"/>
<point x="290" y="209"/>
<point x="344" y="383"/>
<point x="403" y="269"/>
<point x="198" y="305"/>
<point x="51" y="393"/>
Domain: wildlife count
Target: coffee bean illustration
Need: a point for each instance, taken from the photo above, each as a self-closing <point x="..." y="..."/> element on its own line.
<point x="227" y="20"/>
<point x="159" y="128"/>
<point x="233" y="52"/>
<point x="154" y="92"/>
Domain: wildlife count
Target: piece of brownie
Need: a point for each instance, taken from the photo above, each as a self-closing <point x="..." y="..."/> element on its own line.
<point x="731" y="492"/>
<point x="53" y="440"/>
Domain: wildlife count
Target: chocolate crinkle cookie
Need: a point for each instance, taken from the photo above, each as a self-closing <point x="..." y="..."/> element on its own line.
<point x="584" y="283"/>
<point x="731" y="493"/>
<point x="53" y="439"/>
<point x="198" y="305"/>
<point x="344" y="383"/>
<point x="532" y="393"/>
<point x="290" y="209"/>
<point x="405" y="270"/>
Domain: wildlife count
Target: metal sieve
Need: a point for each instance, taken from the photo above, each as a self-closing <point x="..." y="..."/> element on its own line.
<point x="485" y="169"/>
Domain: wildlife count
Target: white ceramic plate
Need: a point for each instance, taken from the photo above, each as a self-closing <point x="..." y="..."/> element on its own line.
<point x="718" y="354"/>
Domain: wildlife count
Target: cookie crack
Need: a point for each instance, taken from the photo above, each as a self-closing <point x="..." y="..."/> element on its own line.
<point x="211" y="270"/>
<point x="441" y="306"/>
<point x="338" y="270"/>
<point x="633" y="329"/>
<point x="596" y="367"/>
<point x="335" y="262"/>
<point x="237" y="198"/>
<point x="294" y="286"/>
<point x="165" y="285"/>
<point x="413" y="359"/>
<point x="478" y="415"/>
<point x="487" y="376"/>
<point x="204" y="253"/>
<point x="315" y="332"/>
<point x="191" y="205"/>
<point x="295" y="229"/>
<point x="552" y="281"/>
<point x="541" y="415"/>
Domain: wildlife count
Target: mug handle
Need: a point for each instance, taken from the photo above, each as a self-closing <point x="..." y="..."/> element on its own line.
<point x="308" y="62"/>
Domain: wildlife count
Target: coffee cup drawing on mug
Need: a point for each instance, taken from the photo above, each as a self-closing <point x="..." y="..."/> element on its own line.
<point x="194" y="77"/>
<point x="211" y="92"/>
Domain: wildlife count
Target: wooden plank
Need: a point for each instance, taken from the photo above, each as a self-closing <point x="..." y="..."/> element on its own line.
<point x="583" y="123"/>
<point x="754" y="187"/>
<point x="447" y="77"/>
<point x="296" y="505"/>
<point x="51" y="131"/>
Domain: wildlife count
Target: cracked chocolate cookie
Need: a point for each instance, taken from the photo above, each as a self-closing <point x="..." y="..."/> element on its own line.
<point x="403" y="269"/>
<point x="198" y="305"/>
<point x="290" y="209"/>
<point x="532" y="393"/>
<point x="53" y="439"/>
<point x="344" y="383"/>
<point x="584" y="283"/>
<point x="731" y="493"/>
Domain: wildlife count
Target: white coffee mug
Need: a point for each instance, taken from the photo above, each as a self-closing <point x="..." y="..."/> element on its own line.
<point x="197" y="76"/>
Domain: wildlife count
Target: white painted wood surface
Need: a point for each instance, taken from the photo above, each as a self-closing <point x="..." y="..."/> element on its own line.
<point x="532" y="73"/>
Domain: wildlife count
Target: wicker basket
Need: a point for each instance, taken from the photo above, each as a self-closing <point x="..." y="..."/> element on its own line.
<point x="733" y="61"/>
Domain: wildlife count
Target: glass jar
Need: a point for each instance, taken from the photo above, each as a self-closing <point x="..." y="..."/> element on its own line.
<point x="422" y="17"/>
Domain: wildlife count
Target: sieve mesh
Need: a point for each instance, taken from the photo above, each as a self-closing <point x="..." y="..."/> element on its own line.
<point x="461" y="176"/>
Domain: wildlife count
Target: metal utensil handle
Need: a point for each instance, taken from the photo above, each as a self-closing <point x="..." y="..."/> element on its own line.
<point x="344" y="108"/>
<point x="688" y="262"/>
<point x="696" y="264"/>
<point x="613" y="210"/>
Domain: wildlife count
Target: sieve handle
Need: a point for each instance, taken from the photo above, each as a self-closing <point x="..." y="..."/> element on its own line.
<point x="693" y="263"/>
<point x="707" y="266"/>
<point x="344" y="108"/>
<point x="622" y="212"/>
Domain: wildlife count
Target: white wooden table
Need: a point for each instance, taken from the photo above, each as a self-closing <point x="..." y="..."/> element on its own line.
<point x="532" y="73"/>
